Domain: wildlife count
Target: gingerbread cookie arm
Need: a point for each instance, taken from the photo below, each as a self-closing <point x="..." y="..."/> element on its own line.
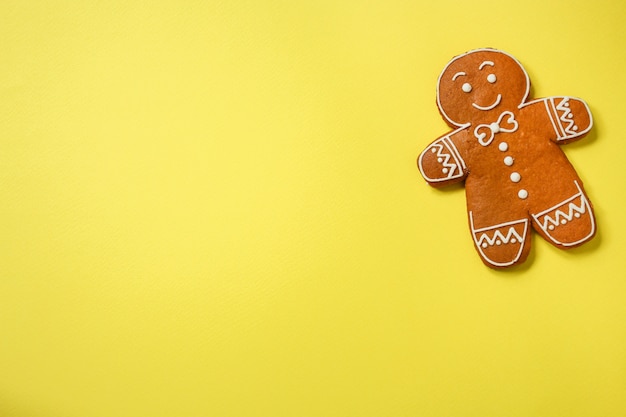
<point x="569" y="117"/>
<point x="442" y="163"/>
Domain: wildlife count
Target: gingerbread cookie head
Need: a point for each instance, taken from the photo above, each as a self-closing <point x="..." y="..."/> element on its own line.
<point x="479" y="84"/>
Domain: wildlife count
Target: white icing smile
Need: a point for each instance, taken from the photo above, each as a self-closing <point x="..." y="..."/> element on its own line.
<point x="495" y="103"/>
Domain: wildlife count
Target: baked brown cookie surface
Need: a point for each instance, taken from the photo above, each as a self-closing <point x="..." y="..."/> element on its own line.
<point x="507" y="150"/>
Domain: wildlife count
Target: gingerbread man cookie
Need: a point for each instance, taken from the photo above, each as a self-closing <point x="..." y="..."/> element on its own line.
<point x="507" y="150"/>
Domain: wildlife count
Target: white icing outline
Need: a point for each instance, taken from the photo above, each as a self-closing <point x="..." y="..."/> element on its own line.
<point x="558" y="129"/>
<point x="443" y="113"/>
<point x="498" y="235"/>
<point x="567" y="117"/>
<point x="458" y="74"/>
<point x="564" y="127"/>
<point x="456" y="152"/>
<point x="495" y="103"/>
<point x="459" y="163"/>
<point x="572" y="209"/>
<point x="555" y="126"/>
<point x="480" y="67"/>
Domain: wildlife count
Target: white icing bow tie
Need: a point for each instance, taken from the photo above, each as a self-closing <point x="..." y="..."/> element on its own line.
<point x="485" y="132"/>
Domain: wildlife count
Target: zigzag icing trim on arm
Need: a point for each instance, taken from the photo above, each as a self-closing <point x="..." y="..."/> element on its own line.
<point x="448" y="156"/>
<point x="562" y="118"/>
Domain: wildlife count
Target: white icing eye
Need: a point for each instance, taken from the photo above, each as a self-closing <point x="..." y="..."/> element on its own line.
<point x="491" y="78"/>
<point x="467" y="87"/>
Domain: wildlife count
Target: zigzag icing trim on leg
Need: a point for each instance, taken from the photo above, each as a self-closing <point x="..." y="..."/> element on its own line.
<point x="559" y="217"/>
<point x="512" y="236"/>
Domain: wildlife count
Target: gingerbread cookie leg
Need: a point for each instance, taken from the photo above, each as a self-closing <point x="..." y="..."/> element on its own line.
<point x="502" y="244"/>
<point x="568" y="223"/>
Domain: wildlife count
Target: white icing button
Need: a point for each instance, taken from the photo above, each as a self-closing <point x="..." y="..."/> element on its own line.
<point x="484" y="245"/>
<point x="513" y="240"/>
<point x="433" y="150"/>
<point x="523" y="194"/>
<point x="503" y="146"/>
<point x="467" y="87"/>
<point x="516" y="177"/>
<point x="575" y="127"/>
<point x="445" y="170"/>
<point x="495" y="128"/>
<point x="491" y="78"/>
<point x="508" y="161"/>
<point x="440" y="160"/>
<point x="563" y="221"/>
<point x="577" y="215"/>
<point x="498" y="242"/>
<point x="551" y="227"/>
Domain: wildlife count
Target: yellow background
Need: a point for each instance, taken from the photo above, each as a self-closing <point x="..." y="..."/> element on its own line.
<point x="212" y="208"/>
